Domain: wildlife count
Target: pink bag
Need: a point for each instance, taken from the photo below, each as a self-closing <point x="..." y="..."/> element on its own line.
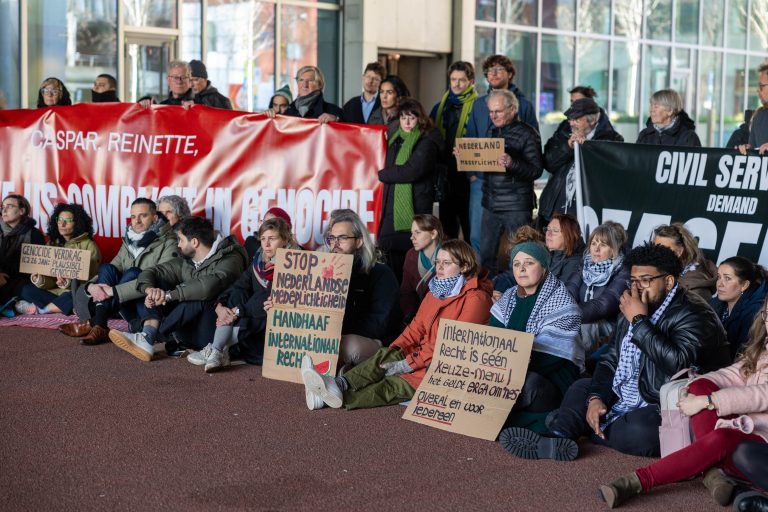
<point x="675" y="429"/>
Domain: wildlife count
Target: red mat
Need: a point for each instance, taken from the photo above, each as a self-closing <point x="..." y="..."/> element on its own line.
<point x="52" y="321"/>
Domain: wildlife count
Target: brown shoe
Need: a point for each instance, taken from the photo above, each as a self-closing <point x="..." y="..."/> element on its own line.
<point x="621" y="490"/>
<point x="76" y="330"/>
<point x="719" y="486"/>
<point x="97" y="336"/>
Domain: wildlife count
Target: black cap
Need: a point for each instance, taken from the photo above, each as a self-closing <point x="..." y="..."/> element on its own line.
<point x="582" y="107"/>
<point x="198" y="69"/>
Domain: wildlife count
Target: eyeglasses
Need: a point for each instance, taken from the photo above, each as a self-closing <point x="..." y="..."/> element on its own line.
<point x="178" y="78"/>
<point x="444" y="263"/>
<point x="9" y="207"/>
<point x="495" y="71"/>
<point x="48" y="91"/>
<point x="65" y="221"/>
<point x="553" y="231"/>
<point x="306" y="81"/>
<point x="331" y="240"/>
<point x="643" y="282"/>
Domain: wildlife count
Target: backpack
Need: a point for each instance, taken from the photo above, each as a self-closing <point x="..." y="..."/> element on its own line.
<point x="675" y="429"/>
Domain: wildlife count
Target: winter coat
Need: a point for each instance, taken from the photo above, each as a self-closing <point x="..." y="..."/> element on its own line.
<point x="559" y="158"/>
<point x="248" y="294"/>
<point x="568" y="268"/>
<point x="412" y="289"/>
<point x="170" y="100"/>
<point x="419" y="171"/>
<point x="743" y="397"/>
<point x="479" y="121"/>
<point x="372" y="306"/>
<point x="211" y="97"/>
<point x="687" y="334"/>
<point x="682" y="133"/>
<point x="472" y="304"/>
<point x="702" y="281"/>
<point x="741" y="135"/>
<point x="79" y="242"/>
<point x="512" y="190"/>
<point x="352" y="111"/>
<point x="25" y="232"/>
<point x="205" y="282"/>
<point x="758" y="128"/>
<point x="604" y="304"/>
<point x="318" y="108"/>
<point x="740" y="319"/>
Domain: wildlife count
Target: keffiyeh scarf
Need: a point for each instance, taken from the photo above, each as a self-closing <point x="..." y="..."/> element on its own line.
<point x="448" y="287"/>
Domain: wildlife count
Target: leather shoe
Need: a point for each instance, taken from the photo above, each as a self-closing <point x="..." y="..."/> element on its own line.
<point x="76" y="329"/>
<point x="751" y="502"/>
<point x="97" y="336"/>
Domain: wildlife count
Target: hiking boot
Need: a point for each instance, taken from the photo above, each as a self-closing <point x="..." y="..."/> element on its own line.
<point x="323" y="386"/>
<point x="97" y="336"/>
<point x="620" y="490"/>
<point x="217" y="360"/>
<point x="719" y="486"/>
<point x="200" y="357"/>
<point x="76" y="329"/>
<point x="527" y="444"/>
<point x="135" y="344"/>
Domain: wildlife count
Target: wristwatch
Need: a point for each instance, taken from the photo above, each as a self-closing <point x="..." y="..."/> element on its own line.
<point x="168" y="296"/>
<point x="237" y="312"/>
<point x="710" y="403"/>
<point x="638" y="318"/>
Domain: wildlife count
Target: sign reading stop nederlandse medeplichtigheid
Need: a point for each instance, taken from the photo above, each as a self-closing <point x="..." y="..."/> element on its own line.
<point x="309" y="295"/>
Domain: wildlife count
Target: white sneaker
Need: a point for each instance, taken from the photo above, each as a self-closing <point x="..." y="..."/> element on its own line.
<point x="324" y="386"/>
<point x="314" y="401"/>
<point x="200" y="357"/>
<point x="23" y="307"/>
<point x="217" y="360"/>
<point x="135" y="344"/>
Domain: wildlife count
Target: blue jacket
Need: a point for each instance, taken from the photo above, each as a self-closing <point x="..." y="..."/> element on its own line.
<point x="740" y="320"/>
<point x="479" y="122"/>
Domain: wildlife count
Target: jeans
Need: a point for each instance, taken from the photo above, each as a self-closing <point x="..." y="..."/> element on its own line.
<point x="192" y="322"/>
<point x="41" y="298"/>
<point x="494" y="227"/>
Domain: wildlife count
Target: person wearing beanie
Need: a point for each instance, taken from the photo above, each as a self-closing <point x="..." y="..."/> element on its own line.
<point x="280" y="101"/>
<point x="205" y="93"/>
<point x="252" y="243"/>
<point x="540" y="304"/>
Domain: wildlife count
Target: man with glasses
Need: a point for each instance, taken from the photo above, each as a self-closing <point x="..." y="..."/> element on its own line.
<point x="758" y="128"/>
<point x="358" y="109"/>
<point x="309" y="102"/>
<point x="372" y="318"/>
<point x="661" y="330"/>
<point x="179" y="85"/>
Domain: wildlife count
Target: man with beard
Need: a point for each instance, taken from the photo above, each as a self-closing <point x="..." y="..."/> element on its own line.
<point x="661" y="330"/>
<point x="180" y="293"/>
<point x="149" y="241"/>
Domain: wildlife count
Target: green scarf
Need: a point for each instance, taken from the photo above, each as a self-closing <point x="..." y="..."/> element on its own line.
<point x="466" y="100"/>
<point x="403" y="210"/>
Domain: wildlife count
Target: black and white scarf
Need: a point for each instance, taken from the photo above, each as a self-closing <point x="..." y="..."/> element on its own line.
<point x="598" y="274"/>
<point x="448" y="287"/>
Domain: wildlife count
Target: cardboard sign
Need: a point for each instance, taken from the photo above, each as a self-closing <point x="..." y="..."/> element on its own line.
<point x="48" y="260"/>
<point x="474" y="379"/>
<point x="479" y="155"/>
<point x="309" y="293"/>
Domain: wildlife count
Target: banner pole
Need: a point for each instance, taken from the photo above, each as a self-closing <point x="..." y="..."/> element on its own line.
<point x="579" y="198"/>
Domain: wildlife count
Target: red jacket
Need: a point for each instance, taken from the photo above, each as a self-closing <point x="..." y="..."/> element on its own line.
<point x="472" y="304"/>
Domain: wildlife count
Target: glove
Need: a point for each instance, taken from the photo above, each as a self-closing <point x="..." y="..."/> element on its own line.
<point x="396" y="368"/>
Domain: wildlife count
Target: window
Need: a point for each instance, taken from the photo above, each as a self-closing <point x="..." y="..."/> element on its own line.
<point x="519" y="12"/>
<point x="10" y="96"/>
<point x="150" y="13"/>
<point x="557" y="66"/>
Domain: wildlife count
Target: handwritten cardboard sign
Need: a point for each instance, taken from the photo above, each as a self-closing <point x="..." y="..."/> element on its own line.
<point x="474" y="379"/>
<point x="479" y="154"/>
<point x="49" y="260"/>
<point x="309" y="293"/>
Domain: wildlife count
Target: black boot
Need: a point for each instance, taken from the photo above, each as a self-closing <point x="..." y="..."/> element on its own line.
<point x="528" y="444"/>
<point x="621" y="489"/>
<point x="750" y="501"/>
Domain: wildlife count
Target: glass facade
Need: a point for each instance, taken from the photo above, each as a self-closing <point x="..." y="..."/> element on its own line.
<point x="628" y="49"/>
<point x="10" y="96"/>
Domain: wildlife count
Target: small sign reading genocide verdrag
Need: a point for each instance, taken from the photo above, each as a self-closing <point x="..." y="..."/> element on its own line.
<point x="309" y="295"/>
<point x="48" y="260"/>
<point x="479" y="154"/>
<point x="474" y="379"/>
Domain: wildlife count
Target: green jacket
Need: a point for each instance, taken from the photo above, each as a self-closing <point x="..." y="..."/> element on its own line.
<point x="206" y="282"/>
<point x="162" y="249"/>
<point x="79" y="242"/>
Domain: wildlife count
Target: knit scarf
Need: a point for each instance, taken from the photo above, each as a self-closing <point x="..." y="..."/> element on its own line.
<point x="426" y="266"/>
<point x="465" y="99"/>
<point x="403" y="208"/>
<point x="598" y="274"/>
<point x="137" y="242"/>
<point x="448" y="287"/>
<point x="303" y="103"/>
<point x="264" y="270"/>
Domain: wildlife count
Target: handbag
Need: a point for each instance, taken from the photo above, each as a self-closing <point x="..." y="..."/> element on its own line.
<point x="675" y="429"/>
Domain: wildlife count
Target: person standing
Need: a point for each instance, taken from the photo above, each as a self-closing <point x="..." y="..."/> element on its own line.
<point x="758" y="126"/>
<point x="205" y="93"/>
<point x="310" y="103"/>
<point x="669" y="124"/>
<point x="359" y="109"/>
<point x="104" y="89"/>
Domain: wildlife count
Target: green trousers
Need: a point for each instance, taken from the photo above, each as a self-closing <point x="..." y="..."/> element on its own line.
<point x="369" y="387"/>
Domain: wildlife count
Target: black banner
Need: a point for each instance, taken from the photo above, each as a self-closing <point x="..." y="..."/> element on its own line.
<point x="720" y="195"/>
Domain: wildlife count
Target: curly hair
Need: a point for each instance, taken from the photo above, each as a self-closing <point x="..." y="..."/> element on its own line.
<point x="83" y="223"/>
<point x="654" y="255"/>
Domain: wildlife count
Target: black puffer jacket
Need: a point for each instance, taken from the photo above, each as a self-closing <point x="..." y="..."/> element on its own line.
<point x="211" y="97"/>
<point x="419" y="171"/>
<point x="682" y="133"/>
<point x="318" y="108"/>
<point x="373" y="309"/>
<point x="558" y="159"/>
<point x="687" y="334"/>
<point x="512" y="191"/>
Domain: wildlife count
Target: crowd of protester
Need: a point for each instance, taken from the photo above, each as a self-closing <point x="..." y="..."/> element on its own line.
<point x="611" y="323"/>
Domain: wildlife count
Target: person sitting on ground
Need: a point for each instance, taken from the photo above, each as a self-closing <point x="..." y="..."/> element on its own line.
<point x="241" y="318"/>
<point x="566" y="246"/>
<point x="280" y="101"/>
<point x="205" y="93"/>
<point x="148" y="242"/>
<point x="506" y="280"/>
<point x="602" y="280"/>
<point x="173" y="208"/>
<point x="71" y="227"/>
<point x="741" y="288"/>
<point x="668" y="124"/>
<point x="751" y="459"/>
<point x="180" y="293"/>
<point x="661" y="330"/>
<point x="727" y="407"/>
<point x="419" y="266"/>
<point x="252" y="243"/>
<point x="310" y="104"/>
<point x="53" y="93"/>
<point x="372" y="317"/>
<point x="17" y="227"/>
<point x="540" y="304"/>
<point x="104" y="89"/>
<point x="392" y="374"/>
<point x="699" y="274"/>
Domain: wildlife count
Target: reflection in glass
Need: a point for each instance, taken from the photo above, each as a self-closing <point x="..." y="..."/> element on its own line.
<point x="150" y="13"/>
<point x="192" y="26"/>
<point x="628" y="16"/>
<point x="557" y="65"/>
<point x="735" y="82"/>
<point x="687" y="25"/>
<point x="712" y="23"/>
<point x="558" y="14"/>
<point x="10" y="96"/>
<point x="626" y="88"/>
<point x="593" y="65"/>
<point x="73" y="41"/>
<point x="708" y="118"/>
<point x="485" y="10"/>
<point x="736" y="27"/>
<point x="655" y="74"/>
<point x="521" y="48"/>
<point x="681" y="78"/>
<point x="658" y="19"/>
<point x="758" y="26"/>
<point x="146" y="68"/>
<point x="485" y="45"/>
<point x="519" y="12"/>
<point x="594" y="16"/>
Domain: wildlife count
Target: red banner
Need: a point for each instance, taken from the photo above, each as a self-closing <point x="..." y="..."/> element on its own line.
<point x="231" y="167"/>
